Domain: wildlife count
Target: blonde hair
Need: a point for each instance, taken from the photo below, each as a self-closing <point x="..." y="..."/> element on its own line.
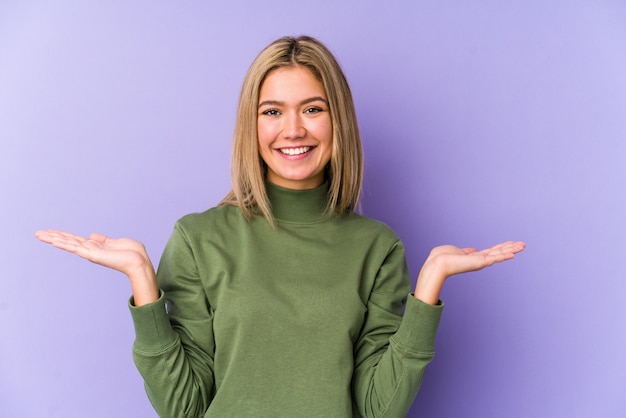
<point x="345" y="170"/>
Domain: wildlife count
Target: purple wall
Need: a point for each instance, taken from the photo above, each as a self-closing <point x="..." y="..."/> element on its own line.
<point x="481" y="121"/>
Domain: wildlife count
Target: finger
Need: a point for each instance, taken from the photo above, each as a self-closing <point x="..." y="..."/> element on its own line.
<point x="68" y="235"/>
<point x="513" y="247"/>
<point x="43" y="236"/>
<point x="98" y="237"/>
<point x="469" y="250"/>
<point x="492" y="259"/>
<point x="68" y="239"/>
<point x="72" y="243"/>
<point x="66" y="244"/>
<point x="506" y="253"/>
<point x="500" y="246"/>
<point x="505" y="247"/>
<point x="81" y="249"/>
<point x="516" y="244"/>
<point x="51" y="235"/>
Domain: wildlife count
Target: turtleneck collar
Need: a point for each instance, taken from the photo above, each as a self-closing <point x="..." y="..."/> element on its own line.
<point x="304" y="206"/>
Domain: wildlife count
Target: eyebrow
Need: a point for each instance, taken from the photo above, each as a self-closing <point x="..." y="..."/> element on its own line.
<point x="304" y="102"/>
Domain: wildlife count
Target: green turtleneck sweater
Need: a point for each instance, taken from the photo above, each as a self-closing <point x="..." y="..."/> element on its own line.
<point x="301" y="320"/>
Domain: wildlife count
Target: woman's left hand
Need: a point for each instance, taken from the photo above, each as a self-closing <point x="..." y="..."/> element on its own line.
<point x="447" y="260"/>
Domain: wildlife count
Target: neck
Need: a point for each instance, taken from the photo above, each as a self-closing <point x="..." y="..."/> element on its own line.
<point x="298" y="205"/>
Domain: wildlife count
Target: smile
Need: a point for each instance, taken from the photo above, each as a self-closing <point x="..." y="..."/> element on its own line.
<point x="295" y="151"/>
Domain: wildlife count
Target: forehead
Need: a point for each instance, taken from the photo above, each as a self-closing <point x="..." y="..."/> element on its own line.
<point x="291" y="80"/>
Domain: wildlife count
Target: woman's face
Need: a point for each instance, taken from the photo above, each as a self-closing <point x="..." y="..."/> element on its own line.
<point x="294" y="128"/>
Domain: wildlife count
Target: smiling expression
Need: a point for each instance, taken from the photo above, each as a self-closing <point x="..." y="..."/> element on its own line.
<point x="294" y="128"/>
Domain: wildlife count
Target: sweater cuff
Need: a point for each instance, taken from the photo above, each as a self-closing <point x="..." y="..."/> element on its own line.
<point x="153" y="330"/>
<point x="419" y="325"/>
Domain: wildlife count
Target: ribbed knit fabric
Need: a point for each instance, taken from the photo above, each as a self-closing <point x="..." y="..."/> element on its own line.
<point x="301" y="320"/>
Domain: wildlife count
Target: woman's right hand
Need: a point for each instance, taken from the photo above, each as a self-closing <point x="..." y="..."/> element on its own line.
<point x="125" y="255"/>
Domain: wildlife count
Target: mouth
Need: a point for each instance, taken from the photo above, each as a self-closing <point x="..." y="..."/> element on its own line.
<point x="295" y="151"/>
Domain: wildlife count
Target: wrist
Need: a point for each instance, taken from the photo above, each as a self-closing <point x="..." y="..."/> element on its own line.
<point x="144" y="285"/>
<point x="429" y="283"/>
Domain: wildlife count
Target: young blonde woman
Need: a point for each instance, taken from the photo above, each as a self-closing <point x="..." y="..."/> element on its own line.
<point x="282" y="301"/>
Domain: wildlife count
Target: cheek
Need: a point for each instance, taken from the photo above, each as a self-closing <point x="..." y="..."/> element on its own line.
<point x="322" y="130"/>
<point x="327" y="134"/>
<point x="266" y="132"/>
<point x="262" y="133"/>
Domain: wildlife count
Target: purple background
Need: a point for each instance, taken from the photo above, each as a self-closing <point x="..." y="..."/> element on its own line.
<point x="481" y="121"/>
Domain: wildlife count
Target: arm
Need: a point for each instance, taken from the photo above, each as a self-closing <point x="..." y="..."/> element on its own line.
<point x="174" y="351"/>
<point x="393" y="351"/>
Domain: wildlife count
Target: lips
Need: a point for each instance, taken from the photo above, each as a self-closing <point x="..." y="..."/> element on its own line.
<point x="295" y="151"/>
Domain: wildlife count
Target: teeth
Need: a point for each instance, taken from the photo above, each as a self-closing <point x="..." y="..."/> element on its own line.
<point x="295" y="151"/>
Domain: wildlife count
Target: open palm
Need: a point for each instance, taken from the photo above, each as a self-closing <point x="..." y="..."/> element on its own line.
<point x="453" y="260"/>
<point x="447" y="260"/>
<point x="125" y="255"/>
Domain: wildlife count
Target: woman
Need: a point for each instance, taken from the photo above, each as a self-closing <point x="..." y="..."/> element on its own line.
<point x="281" y="301"/>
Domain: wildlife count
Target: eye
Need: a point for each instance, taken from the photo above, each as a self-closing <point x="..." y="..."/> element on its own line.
<point x="313" y="110"/>
<point x="271" y="112"/>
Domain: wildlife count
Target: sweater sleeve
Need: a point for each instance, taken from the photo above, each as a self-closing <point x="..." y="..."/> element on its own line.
<point x="174" y="346"/>
<point x="393" y="350"/>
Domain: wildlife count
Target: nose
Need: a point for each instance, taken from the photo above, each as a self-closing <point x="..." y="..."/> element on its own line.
<point x="294" y="126"/>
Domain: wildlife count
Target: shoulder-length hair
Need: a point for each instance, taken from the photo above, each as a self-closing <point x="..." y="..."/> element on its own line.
<point x="344" y="172"/>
